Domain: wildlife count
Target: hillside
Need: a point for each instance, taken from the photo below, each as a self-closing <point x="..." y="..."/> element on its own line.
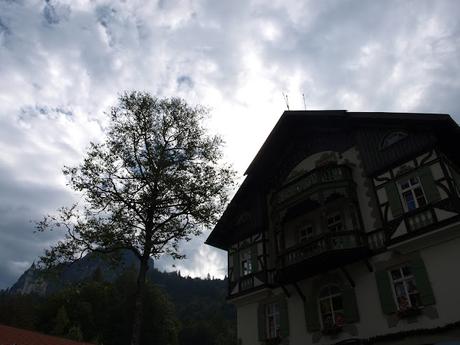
<point x="91" y="301"/>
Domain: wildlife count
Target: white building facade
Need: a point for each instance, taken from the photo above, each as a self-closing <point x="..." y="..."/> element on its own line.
<point x="347" y="230"/>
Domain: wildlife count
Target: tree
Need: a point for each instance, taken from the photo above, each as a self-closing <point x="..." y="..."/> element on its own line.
<point x="61" y="322"/>
<point x="156" y="180"/>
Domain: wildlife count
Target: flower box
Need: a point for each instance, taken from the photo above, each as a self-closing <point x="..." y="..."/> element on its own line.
<point x="408" y="312"/>
<point x="273" y="341"/>
<point x="332" y="330"/>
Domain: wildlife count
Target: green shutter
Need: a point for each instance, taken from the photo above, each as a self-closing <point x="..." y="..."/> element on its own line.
<point x="350" y="305"/>
<point x="236" y="265"/>
<point x="422" y="281"/>
<point x="385" y="292"/>
<point x="393" y="199"/>
<point x="254" y="256"/>
<point x="429" y="185"/>
<point x="312" y="315"/>
<point x="261" y="324"/>
<point x="284" y="318"/>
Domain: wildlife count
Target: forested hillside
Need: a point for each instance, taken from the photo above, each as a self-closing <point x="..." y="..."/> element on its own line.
<point x="97" y="308"/>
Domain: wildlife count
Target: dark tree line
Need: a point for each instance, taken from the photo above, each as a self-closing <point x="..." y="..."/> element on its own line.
<point x="179" y="310"/>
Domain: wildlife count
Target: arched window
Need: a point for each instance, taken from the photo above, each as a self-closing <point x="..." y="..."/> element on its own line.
<point x="331" y="307"/>
<point x="392" y="138"/>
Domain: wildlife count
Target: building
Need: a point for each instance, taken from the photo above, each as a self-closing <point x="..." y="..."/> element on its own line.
<point x="347" y="226"/>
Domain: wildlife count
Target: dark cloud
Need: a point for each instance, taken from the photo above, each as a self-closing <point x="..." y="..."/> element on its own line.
<point x="63" y="63"/>
<point x="185" y="81"/>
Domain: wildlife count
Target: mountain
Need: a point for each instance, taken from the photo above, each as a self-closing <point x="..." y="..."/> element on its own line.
<point x="184" y="292"/>
<point x="109" y="267"/>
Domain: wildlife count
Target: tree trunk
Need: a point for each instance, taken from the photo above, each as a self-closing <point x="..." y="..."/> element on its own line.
<point x="139" y="301"/>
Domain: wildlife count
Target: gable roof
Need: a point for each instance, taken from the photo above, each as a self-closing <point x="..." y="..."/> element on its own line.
<point x="11" y="335"/>
<point x="293" y="121"/>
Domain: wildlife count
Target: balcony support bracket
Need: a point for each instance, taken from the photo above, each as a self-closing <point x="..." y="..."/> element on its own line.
<point x="349" y="278"/>
<point x="302" y="296"/>
<point x="369" y="266"/>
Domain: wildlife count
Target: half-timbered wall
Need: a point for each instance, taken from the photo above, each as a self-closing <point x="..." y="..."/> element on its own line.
<point x="431" y="171"/>
<point x="247" y="264"/>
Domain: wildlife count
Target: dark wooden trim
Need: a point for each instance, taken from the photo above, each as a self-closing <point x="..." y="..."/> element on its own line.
<point x="286" y="292"/>
<point x="369" y="266"/>
<point x="302" y="296"/>
<point x="444" y="166"/>
<point x="348" y="276"/>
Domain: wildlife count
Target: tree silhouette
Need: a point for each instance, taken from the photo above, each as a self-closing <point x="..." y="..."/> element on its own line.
<point x="157" y="179"/>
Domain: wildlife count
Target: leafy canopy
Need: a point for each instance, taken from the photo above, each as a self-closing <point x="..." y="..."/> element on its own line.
<point x="157" y="179"/>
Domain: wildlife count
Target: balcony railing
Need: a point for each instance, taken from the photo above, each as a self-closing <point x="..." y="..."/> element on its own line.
<point x="376" y="240"/>
<point x="420" y="219"/>
<point x="322" y="244"/>
<point x="314" y="178"/>
<point x="247" y="283"/>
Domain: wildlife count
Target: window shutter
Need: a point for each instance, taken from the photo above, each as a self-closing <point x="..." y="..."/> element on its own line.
<point x="429" y="185"/>
<point x="422" y="281"/>
<point x="311" y="315"/>
<point x="261" y="322"/>
<point x="284" y="318"/>
<point x="254" y="256"/>
<point x="350" y="305"/>
<point x="236" y="265"/>
<point x="385" y="292"/>
<point x="393" y="199"/>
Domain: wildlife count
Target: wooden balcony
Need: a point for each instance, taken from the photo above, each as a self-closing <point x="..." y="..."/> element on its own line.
<point x="426" y="219"/>
<point x="325" y="252"/>
<point x="251" y="282"/>
<point x="317" y="178"/>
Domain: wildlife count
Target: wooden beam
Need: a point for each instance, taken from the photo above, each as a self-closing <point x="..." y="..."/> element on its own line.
<point x="286" y="292"/>
<point x="299" y="292"/>
<point x="350" y="280"/>
<point x="369" y="266"/>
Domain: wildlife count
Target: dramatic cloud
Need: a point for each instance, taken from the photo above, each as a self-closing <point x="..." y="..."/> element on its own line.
<point x="63" y="63"/>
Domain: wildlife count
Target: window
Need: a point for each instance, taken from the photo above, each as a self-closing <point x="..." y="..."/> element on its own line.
<point x="412" y="193"/>
<point x="306" y="232"/>
<point x="392" y="138"/>
<point x="331" y="307"/>
<point x="404" y="288"/>
<point x="272" y="313"/>
<point x="246" y="262"/>
<point x="334" y="222"/>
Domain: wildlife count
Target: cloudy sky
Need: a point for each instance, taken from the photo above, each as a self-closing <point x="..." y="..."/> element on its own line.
<point x="63" y="63"/>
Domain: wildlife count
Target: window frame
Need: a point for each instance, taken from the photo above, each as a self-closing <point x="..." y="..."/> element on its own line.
<point x="246" y="262"/>
<point x="272" y="310"/>
<point x="335" y="223"/>
<point x="404" y="280"/>
<point x="411" y="188"/>
<point x="329" y="298"/>
<point x="307" y="236"/>
<point x="392" y="138"/>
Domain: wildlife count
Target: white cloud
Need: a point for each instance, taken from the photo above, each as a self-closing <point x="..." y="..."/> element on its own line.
<point x="63" y="64"/>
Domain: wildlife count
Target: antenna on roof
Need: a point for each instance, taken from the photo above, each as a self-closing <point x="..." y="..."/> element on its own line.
<point x="285" y="96"/>
<point x="304" y="103"/>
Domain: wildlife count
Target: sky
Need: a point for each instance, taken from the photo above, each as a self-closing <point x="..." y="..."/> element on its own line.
<point x="64" y="63"/>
